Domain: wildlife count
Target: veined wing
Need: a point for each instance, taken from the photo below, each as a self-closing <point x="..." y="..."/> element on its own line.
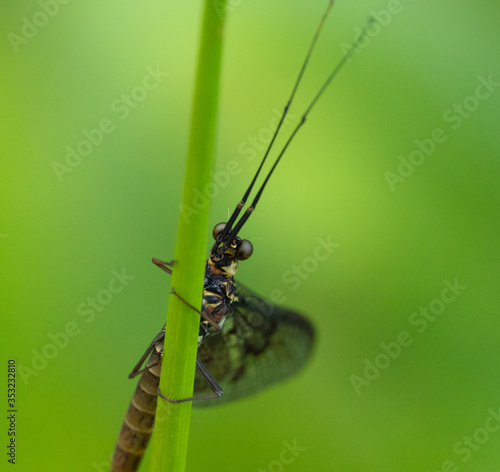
<point x="261" y="344"/>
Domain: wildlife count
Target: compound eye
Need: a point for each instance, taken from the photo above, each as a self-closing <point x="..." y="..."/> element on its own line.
<point x="218" y="229"/>
<point x="245" y="250"/>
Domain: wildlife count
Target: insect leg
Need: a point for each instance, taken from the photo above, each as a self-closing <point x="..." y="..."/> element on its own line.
<point x="212" y="383"/>
<point x="205" y="316"/>
<point x="163" y="265"/>
<point x="137" y="369"/>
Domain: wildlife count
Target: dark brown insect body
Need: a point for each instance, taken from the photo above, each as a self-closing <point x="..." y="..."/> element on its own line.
<point x="139" y="420"/>
<point x="218" y="296"/>
<point x="261" y="344"/>
<point x="245" y="343"/>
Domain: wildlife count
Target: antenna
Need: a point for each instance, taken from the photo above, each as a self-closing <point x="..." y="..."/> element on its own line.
<point x="241" y="204"/>
<point x="226" y="238"/>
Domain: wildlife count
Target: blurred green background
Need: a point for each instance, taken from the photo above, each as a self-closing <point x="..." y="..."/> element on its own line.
<point x="402" y="228"/>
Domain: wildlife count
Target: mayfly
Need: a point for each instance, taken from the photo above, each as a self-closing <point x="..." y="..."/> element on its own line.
<point x="244" y="342"/>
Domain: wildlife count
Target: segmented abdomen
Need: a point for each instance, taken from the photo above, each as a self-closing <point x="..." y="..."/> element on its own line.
<point x="139" y="420"/>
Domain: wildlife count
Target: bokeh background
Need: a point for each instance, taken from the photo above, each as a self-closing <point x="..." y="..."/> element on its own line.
<point x="435" y="404"/>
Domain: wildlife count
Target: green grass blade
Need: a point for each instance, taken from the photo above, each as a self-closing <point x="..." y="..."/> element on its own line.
<point x="170" y="438"/>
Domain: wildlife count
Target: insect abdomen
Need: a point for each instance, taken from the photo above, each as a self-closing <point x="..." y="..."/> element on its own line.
<point x="139" y="420"/>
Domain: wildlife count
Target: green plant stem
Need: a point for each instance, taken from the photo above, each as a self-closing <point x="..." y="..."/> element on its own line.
<point x="170" y="438"/>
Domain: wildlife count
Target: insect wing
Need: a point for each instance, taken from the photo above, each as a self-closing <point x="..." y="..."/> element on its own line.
<point x="261" y="344"/>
